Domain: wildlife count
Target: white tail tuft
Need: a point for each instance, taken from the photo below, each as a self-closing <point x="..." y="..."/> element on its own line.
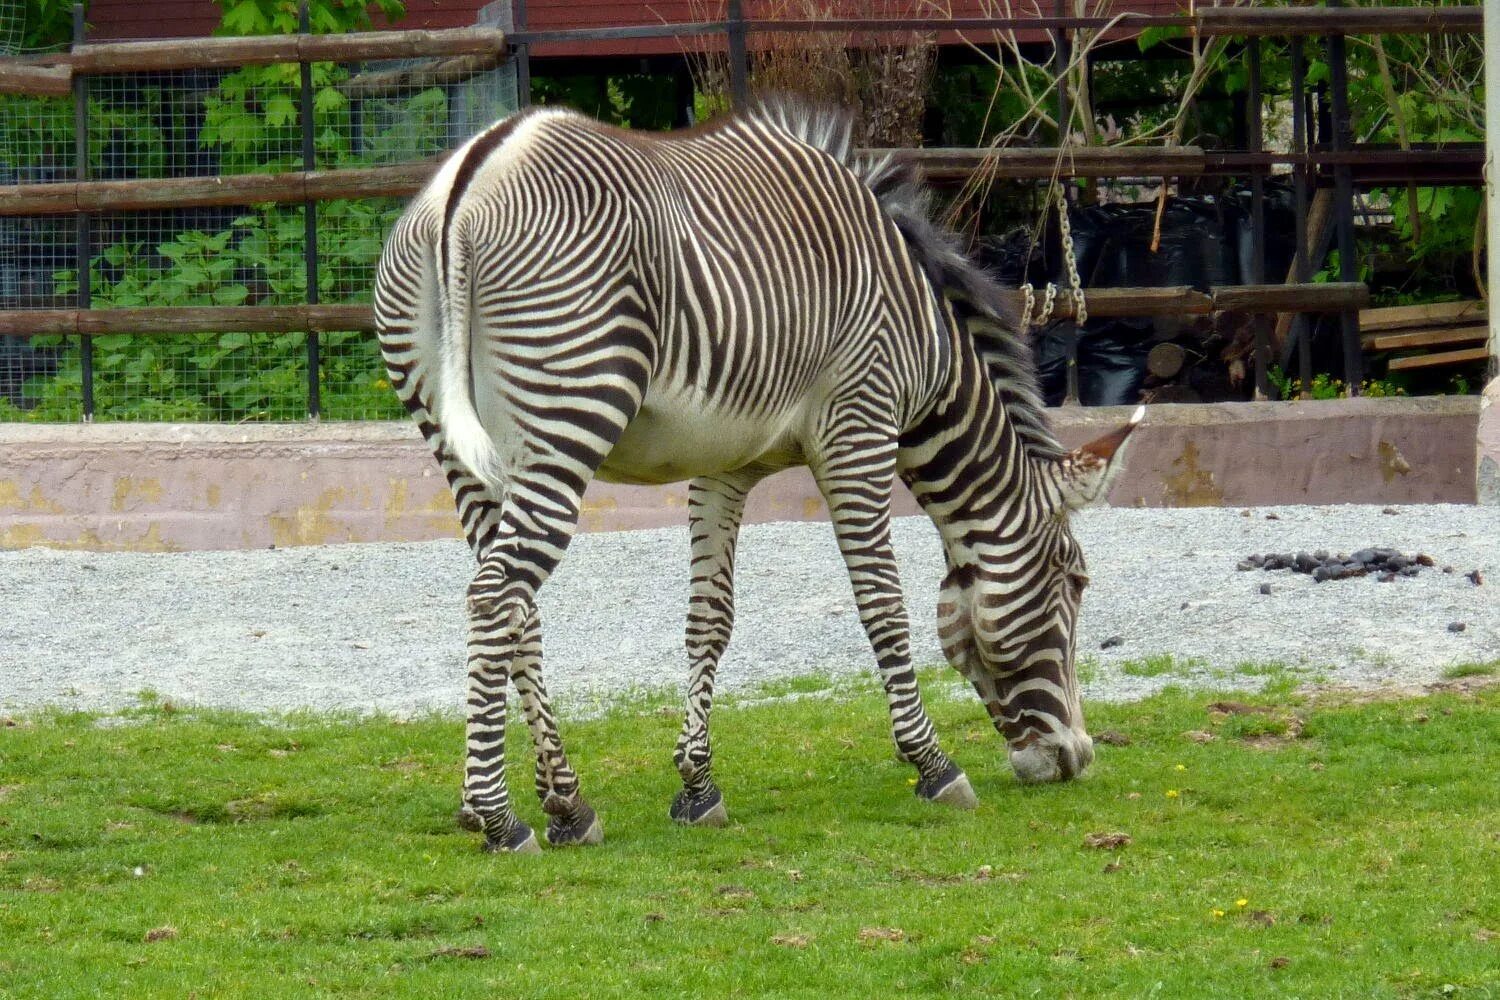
<point x="468" y="440"/>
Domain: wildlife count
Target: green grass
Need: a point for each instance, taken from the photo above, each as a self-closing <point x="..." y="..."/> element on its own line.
<point x="310" y="856"/>
<point x="1471" y="670"/>
<point x="1158" y="664"/>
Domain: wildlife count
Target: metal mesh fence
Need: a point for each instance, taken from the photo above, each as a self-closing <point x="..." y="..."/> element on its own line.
<point x="214" y="123"/>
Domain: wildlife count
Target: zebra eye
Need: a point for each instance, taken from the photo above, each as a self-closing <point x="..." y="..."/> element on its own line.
<point x="1078" y="580"/>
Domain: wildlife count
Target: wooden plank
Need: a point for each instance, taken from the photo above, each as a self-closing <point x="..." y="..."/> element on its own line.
<point x="187" y="319"/>
<point x="1101" y="302"/>
<point x="214" y="53"/>
<point x="1443" y="337"/>
<point x="34" y="81"/>
<point x="1443" y="358"/>
<point x="1120" y="302"/>
<point x="1040" y="163"/>
<point x="196" y="192"/>
<point x="1430" y="314"/>
<point x="1333" y="296"/>
<point x="441" y="73"/>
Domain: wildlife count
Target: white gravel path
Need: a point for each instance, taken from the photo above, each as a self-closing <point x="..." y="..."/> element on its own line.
<point x="380" y="627"/>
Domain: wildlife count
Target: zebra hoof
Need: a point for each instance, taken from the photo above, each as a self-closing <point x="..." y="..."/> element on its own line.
<point x="521" y="840"/>
<point x="951" y="788"/>
<point x="580" y="828"/>
<point x="468" y="819"/>
<point x="706" y="809"/>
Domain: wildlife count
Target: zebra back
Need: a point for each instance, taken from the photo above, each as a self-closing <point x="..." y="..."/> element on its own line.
<point x="980" y="307"/>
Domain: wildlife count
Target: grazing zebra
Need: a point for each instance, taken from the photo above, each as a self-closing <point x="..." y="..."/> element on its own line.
<point x="567" y="299"/>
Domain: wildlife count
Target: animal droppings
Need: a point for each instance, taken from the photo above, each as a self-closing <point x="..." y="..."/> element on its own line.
<point x="1383" y="562"/>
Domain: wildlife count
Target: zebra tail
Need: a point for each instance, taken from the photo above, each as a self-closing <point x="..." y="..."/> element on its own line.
<point x="468" y="441"/>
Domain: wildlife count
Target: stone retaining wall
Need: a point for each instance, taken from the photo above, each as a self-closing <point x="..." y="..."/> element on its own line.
<point x="187" y="486"/>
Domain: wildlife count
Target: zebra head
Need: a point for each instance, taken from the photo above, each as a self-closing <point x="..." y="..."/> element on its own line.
<point x="1008" y="613"/>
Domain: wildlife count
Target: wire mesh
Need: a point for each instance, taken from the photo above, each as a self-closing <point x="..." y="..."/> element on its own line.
<point x="214" y="123"/>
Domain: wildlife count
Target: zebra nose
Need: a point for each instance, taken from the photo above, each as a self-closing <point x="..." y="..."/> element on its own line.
<point x="1074" y="758"/>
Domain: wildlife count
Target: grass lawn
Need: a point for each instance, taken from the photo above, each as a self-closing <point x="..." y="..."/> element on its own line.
<point x="1318" y="849"/>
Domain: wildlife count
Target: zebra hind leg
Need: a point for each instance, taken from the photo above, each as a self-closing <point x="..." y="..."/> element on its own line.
<point x="495" y="633"/>
<point x="715" y="508"/>
<point x="856" y="483"/>
<point x="571" y="819"/>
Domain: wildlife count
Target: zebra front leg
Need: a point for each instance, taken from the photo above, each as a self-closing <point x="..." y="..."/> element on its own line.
<point x="857" y="487"/>
<point x="571" y="819"/>
<point x="496" y="621"/>
<point x="715" y="508"/>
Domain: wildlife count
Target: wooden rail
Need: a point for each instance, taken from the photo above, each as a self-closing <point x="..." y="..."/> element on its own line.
<point x="1040" y="163"/>
<point x="35" y="81"/>
<point x="1102" y="302"/>
<point x="187" y="319"/>
<point x="939" y="164"/>
<point x="1240" y="21"/>
<point x="219" y="53"/>
<point x="197" y="192"/>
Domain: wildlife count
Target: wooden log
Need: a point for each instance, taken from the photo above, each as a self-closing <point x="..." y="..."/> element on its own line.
<point x="195" y="192"/>
<point x="1043" y="163"/>
<point x="215" y="53"/>
<point x="1111" y="302"/>
<point x="407" y="178"/>
<point x="442" y="73"/>
<point x="1166" y="360"/>
<point x="1333" y="296"/>
<point x="187" y="319"/>
<point x="1444" y="337"/>
<point x="1428" y="315"/>
<point x="1442" y="358"/>
<point x="35" y="81"/>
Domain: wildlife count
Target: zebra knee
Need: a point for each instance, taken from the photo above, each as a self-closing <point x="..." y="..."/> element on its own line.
<point x="693" y="757"/>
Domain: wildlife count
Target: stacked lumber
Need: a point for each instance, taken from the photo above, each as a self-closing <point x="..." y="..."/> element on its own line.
<point x="1427" y="336"/>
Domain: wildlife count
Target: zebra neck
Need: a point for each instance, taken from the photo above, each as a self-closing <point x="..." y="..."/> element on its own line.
<point x="966" y="466"/>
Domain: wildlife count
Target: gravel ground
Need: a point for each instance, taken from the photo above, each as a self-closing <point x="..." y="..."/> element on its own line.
<point x="380" y="627"/>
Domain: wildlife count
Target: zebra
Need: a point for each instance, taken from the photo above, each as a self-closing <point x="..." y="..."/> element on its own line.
<point x="567" y="300"/>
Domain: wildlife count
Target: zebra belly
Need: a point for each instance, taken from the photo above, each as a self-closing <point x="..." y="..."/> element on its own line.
<point x="677" y="436"/>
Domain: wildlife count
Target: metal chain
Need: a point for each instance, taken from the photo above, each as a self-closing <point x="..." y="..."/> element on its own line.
<point x="1070" y="262"/>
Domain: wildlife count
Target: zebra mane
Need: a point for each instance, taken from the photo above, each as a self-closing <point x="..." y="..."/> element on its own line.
<point x="984" y="312"/>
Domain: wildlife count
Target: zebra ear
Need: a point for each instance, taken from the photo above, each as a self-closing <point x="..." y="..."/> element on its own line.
<point x="1090" y="470"/>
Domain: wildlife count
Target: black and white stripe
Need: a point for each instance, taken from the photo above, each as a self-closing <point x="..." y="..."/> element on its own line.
<point x="568" y="300"/>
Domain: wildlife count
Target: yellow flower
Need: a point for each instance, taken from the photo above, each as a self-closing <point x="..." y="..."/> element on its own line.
<point x="1242" y="902"/>
<point x="911" y="781"/>
<point x="1172" y="793"/>
<point x="1217" y="913"/>
<point x="1180" y="767"/>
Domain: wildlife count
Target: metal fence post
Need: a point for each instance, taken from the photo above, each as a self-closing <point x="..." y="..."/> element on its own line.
<point x="1062" y="55"/>
<point x="84" y="236"/>
<point x="1343" y="196"/>
<point x="1301" y="334"/>
<point x="739" y="59"/>
<point x="523" y="56"/>
<point x="1258" y="222"/>
<point x="310" y="217"/>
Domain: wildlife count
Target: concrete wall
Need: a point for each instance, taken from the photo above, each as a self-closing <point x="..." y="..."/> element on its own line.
<point x="167" y="487"/>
